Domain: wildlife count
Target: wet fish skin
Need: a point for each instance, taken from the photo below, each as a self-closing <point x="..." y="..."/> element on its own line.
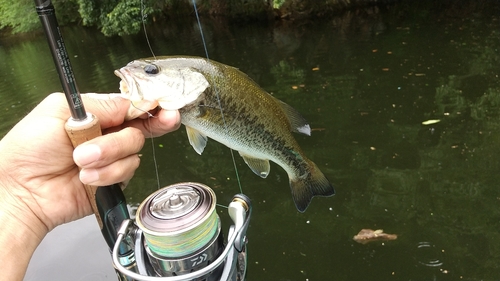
<point x="253" y="122"/>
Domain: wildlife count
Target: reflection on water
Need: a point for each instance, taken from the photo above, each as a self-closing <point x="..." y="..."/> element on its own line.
<point x="365" y="81"/>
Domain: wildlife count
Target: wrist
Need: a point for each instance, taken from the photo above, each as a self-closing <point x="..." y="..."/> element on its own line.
<point x="21" y="233"/>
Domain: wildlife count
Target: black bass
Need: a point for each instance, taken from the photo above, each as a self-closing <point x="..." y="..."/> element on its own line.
<point x="222" y="103"/>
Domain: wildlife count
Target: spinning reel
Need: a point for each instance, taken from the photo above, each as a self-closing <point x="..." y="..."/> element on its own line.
<point x="177" y="236"/>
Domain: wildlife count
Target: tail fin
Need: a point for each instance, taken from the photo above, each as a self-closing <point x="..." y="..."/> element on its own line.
<point x="313" y="184"/>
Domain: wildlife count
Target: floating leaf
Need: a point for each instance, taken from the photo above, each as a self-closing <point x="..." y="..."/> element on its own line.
<point x="366" y="236"/>
<point x="431" y="121"/>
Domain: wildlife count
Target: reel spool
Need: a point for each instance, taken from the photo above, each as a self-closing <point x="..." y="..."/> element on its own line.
<point x="181" y="228"/>
<point x="178" y="236"/>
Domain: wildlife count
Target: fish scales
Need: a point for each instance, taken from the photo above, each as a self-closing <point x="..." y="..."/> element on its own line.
<point x="244" y="126"/>
<point x="247" y="126"/>
<point x="252" y="122"/>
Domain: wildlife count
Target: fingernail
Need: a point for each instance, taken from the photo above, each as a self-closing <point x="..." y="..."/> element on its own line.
<point x="86" y="154"/>
<point x="88" y="176"/>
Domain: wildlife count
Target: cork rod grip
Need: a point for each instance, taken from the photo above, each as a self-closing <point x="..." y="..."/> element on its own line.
<point x="80" y="132"/>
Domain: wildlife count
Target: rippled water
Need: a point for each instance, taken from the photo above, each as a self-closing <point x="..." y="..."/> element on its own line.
<point x="365" y="81"/>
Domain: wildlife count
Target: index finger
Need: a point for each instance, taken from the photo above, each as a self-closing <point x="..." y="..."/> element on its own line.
<point x="163" y="122"/>
<point x="113" y="112"/>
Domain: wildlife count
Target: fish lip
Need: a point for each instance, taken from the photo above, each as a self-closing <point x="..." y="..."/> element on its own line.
<point x="119" y="74"/>
<point x="126" y="78"/>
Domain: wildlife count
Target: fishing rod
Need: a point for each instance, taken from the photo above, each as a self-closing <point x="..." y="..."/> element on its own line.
<point x="108" y="202"/>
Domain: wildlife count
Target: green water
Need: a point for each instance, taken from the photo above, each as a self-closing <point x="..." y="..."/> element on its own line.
<point x="365" y="81"/>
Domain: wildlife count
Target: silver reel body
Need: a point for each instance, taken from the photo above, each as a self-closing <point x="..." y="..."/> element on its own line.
<point x="177" y="236"/>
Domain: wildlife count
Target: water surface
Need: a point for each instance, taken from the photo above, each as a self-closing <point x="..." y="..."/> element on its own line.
<point x="365" y="81"/>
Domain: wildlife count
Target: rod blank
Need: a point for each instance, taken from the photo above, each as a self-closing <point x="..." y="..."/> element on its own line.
<point x="46" y="13"/>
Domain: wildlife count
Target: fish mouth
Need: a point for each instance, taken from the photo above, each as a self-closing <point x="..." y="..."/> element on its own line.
<point x="119" y="74"/>
<point x="127" y="82"/>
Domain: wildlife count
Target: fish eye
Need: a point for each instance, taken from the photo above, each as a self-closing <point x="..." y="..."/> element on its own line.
<point x="151" y="69"/>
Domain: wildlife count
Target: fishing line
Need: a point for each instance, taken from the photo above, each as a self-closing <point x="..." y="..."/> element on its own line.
<point x="143" y="15"/>
<point x="152" y="142"/>
<point x="217" y="94"/>
<point x="201" y="31"/>
<point x="153" y="150"/>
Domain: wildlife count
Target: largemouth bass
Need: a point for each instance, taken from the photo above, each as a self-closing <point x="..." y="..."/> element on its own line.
<point x="220" y="102"/>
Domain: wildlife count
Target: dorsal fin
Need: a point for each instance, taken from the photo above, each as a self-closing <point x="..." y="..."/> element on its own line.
<point x="297" y="122"/>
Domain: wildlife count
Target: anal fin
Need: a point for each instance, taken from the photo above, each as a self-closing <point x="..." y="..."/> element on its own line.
<point x="260" y="167"/>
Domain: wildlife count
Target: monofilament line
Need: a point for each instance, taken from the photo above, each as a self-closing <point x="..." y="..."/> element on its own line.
<point x="154" y="153"/>
<point x="152" y="143"/>
<point x="143" y="17"/>
<point x="217" y="93"/>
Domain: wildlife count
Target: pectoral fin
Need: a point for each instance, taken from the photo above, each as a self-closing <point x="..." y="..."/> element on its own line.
<point x="197" y="140"/>
<point x="259" y="166"/>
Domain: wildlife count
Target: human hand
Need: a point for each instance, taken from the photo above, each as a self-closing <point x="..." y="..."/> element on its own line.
<point x="41" y="186"/>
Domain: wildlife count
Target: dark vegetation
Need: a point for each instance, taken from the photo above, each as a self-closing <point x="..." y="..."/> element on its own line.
<point x="121" y="17"/>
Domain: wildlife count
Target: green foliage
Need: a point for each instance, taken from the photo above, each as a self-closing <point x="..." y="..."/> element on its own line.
<point x="124" y="18"/>
<point x="112" y="17"/>
<point x="277" y="3"/>
<point x="20" y="16"/>
<point x="116" y="17"/>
